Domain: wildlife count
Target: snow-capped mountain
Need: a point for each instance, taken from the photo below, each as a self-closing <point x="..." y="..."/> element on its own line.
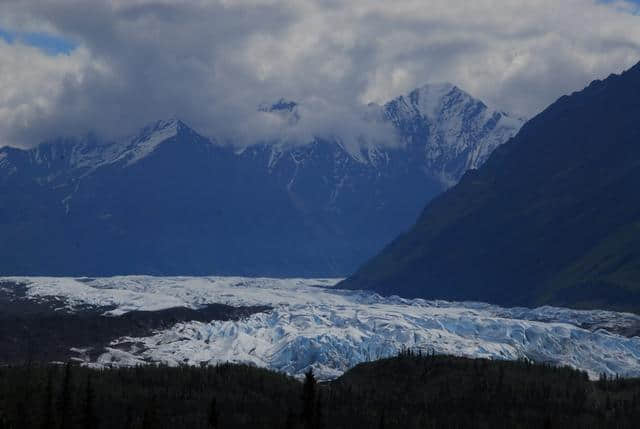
<point x="171" y="201"/>
<point x="558" y="206"/>
<point x="91" y="153"/>
<point x="456" y="131"/>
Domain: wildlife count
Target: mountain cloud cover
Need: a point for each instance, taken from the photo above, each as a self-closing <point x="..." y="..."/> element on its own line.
<point x="212" y="63"/>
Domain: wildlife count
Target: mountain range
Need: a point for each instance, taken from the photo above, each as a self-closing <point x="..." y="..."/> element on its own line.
<point x="553" y="216"/>
<point x="170" y="201"/>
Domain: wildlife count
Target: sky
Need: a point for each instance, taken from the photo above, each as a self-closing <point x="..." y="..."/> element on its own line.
<point x="69" y="67"/>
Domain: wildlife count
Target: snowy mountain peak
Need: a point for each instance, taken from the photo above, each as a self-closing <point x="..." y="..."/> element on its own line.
<point x="429" y="99"/>
<point x="455" y="130"/>
<point x="163" y="126"/>
<point x="440" y="124"/>
<point x="152" y="136"/>
<point x="149" y="139"/>
<point x="129" y="150"/>
<point x="349" y="190"/>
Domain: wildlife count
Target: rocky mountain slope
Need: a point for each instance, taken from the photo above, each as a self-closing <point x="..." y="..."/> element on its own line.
<point x="553" y="217"/>
<point x="171" y="201"/>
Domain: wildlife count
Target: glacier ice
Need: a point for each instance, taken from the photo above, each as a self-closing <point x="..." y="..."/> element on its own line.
<point x="314" y="325"/>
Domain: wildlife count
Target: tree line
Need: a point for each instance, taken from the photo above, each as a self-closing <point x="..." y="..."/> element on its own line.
<point x="411" y="390"/>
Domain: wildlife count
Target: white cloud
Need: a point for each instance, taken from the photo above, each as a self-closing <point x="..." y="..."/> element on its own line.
<point x="212" y="63"/>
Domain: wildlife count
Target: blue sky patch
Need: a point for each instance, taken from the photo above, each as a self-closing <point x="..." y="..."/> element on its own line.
<point x="49" y="44"/>
<point x="633" y="2"/>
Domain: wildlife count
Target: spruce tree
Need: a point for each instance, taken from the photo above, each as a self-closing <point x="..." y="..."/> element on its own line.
<point x="90" y="419"/>
<point x="213" y="414"/>
<point x="130" y="419"/>
<point x="290" y="423"/>
<point x="308" y="398"/>
<point x="381" y="422"/>
<point x="150" y="418"/>
<point x="47" y="404"/>
<point x="317" y="419"/>
<point x="4" y="422"/>
<point x="65" y="399"/>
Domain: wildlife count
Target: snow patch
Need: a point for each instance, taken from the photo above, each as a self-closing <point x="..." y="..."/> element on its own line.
<point x="148" y="142"/>
<point x="431" y="98"/>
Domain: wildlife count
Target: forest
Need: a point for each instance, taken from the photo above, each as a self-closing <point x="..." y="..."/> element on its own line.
<point x="411" y="390"/>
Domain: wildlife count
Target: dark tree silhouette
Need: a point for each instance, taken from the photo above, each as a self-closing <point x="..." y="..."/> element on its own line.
<point x="4" y="422"/>
<point x="213" y="414"/>
<point x="309" y="399"/>
<point x="411" y="391"/>
<point x="381" y="423"/>
<point x="65" y="399"/>
<point x="90" y="419"/>
<point x="47" y="404"/>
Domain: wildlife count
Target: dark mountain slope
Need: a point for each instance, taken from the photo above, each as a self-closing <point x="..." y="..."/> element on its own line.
<point x="552" y="217"/>
<point x="170" y="201"/>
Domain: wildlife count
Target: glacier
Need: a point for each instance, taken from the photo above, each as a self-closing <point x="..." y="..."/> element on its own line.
<point x="312" y="324"/>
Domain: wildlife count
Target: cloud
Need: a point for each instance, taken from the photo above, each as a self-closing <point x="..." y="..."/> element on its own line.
<point x="212" y="63"/>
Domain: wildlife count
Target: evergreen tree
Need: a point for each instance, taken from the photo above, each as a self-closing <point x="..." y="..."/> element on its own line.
<point x="213" y="414"/>
<point x="90" y="419"/>
<point x="317" y="419"/>
<point x="375" y="395"/>
<point x="381" y="423"/>
<point x="4" y="422"/>
<point x="130" y="420"/>
<point x="290" y="423"/>
<point x="150" y="417"/>
<point x="308" y="398"/>
<point x="65" y="399"/>
<point x="21" y="418"/>
<point x="47" y="404"/>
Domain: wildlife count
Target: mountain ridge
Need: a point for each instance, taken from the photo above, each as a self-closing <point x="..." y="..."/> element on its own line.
<point x="519" y="230"/>
<point x="314" y="209"/>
